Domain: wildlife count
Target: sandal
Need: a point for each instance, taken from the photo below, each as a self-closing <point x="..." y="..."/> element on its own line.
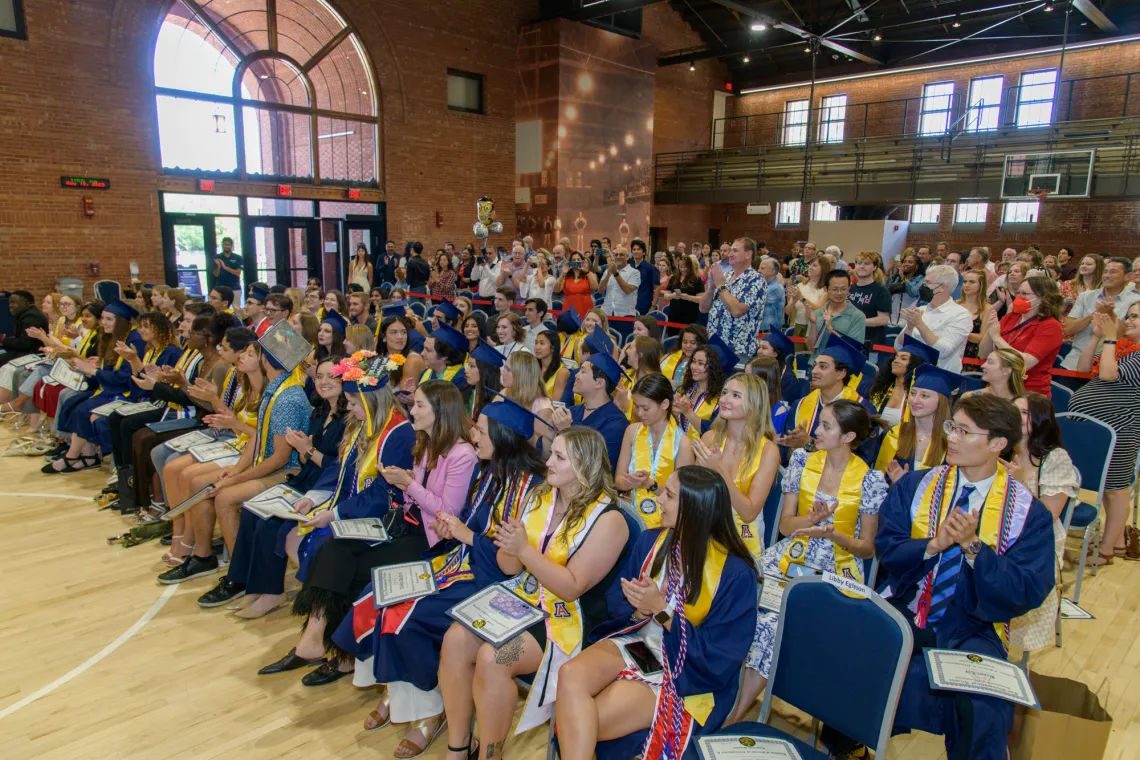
<point x="1102" y="559"/>
<point x="79" y="464"/>
<point x="423" y="727"/>
<point x="378" y="722"/>
<point x="472" y="752"/>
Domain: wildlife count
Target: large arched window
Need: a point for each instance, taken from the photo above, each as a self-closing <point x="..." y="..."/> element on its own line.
<point x="270" y="89"/>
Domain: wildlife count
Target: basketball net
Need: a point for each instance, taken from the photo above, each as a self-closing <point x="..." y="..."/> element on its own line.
<point x="1040" y="194"/>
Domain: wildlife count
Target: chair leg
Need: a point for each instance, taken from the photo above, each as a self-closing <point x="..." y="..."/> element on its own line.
<point x="1058" y="636"/>
<point x="1081" y="564"/>
<point x="1024" y="664"/>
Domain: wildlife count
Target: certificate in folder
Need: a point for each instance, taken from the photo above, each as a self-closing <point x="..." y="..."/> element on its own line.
<point x="496" y="614"/>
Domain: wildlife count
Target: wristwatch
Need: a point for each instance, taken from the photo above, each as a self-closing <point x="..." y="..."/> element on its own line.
<point x="662" y="617"/>
<point x="307" y="456"/>
<point x="972" y="550"/>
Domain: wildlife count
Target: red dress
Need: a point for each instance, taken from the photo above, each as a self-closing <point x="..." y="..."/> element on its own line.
<point x="577" y="293"/>
<point x="1037" y="337"/>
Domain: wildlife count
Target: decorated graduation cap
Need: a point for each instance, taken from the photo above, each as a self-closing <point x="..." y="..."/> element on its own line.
<point x="511" y="414"/>
<point x="570" y="321"/>
<point x="284" y="347"/>
<point x="728" y="357"/>
<point x="395" y="309"/>
<point x="941" y="381"/>
<point x="447" y="310"/>
<point x="122" y="309"/>
<point x="336" y="321"/>
<point x="928" y="354"/>
<point x="598" y="342"/>
<point x="486" y="353"/>
<point x="258" y="293"/>
<point x="610" y="368"/>
<point x="451" y="337"/>
<point x="365" y="372"/>
<point x="782" y="343"/>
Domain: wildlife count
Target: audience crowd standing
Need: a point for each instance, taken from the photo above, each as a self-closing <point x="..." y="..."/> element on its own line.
<point x="599" y="431"/>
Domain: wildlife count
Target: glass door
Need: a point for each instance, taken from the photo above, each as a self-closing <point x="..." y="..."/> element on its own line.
<point x="371" y="231"/>
<point x="285" y="250"/>
<point x="189" y="243"/>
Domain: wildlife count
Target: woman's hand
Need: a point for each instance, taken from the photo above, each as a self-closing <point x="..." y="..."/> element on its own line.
<point x="640" y="479"/>
<point x="895" y="471"/>
<point x="298" y="440"/>
<point x="644" y="595"/>
<point x="826" y="531"/>
<point x="304" y="506"/>
<point x="223" y="419"/>
<point x="228" y="474"/>
<point x="398" y="477"/>
<point x="1107" y="325"/>
<point x="448" y="525"/>
<point x="144" y="382"/>
<point x="36" y="333"/>
<point x="128" y="352"/>
<point x="322" y="520"/>
<point x="682" y="404"/>
<point x="992" y="325"/>
<point x="70" y="331"/>
<point x="821" y="511"/>
<point x="171" y="376"/>
<point x="511" y="537"/>
<point x="707" y="456"/>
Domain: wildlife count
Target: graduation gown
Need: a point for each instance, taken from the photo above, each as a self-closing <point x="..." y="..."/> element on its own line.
<point x="607" y="420"/>
<point x="806" y="412"/>
<point x="716" y="645"/>
<point x="1001" y="585"/>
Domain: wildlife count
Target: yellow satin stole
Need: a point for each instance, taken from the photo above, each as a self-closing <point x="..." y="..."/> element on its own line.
<point x="448" y="374"/>
<point x="673" y="367"/>
<point x="810" y="405"/>
<point x="572" y="347"/>
<point x="641" y="458"/>
<point x="263" y="419"/>
<point x="750" y="532"/>
<point x="715" y="559"/>
<point x="846" y="515"/>
<point x="890" y="449"/>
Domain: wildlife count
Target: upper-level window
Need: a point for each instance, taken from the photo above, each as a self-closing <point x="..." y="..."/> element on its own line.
<point x="937" y="105"/>
<point x="970" y="213"/>
<point x="1020" y="212"/>
<point x="832" y="114"/>
<point x="464" y="91"/>
<point x="1035" y="98"/>
<point x="925" y="213"/>
<point x="824" y="211"/>
<point x="788" y="214"/>
<point x="277" y="89"/>
<point x="12" y="19"/>
<point x="985" y="104"/>
<point x="795" y="122"/>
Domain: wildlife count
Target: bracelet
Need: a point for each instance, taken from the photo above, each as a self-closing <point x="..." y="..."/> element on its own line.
<point x="1109" y="342"/>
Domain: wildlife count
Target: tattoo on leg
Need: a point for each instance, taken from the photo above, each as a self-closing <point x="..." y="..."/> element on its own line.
<point x="509" y="653"/>
<point x="492" y="748"/>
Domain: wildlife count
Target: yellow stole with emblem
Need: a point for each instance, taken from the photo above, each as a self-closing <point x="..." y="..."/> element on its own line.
<point x="715" y="558"/>
<point x="659" y="462"/>
<point x="673" y="367"/>
<point x="750" y="532"/>
<point x="85" y="343"/>
<point x="845" y="517"/>
<point x="704" y="407"/>
<point x="807" y="412"/>
<point x="261" y="429"/>
<point x="448" y="374"/>
<point x="890" y="449"/>
<point x="565" y="625"/>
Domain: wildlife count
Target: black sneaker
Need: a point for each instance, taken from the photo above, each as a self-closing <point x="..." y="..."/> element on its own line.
<point x="226" y="591"/>
<point x="194" y="567"/>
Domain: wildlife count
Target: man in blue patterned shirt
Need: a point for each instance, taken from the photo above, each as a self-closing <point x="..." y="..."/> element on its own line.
<point x="735" y="302"/>
<point x="774" y="296"/>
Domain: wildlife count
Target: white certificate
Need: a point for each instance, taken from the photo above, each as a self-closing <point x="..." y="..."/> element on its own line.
<point x="746" y="747"/>
<point x="63" y="374"/>
<point x="210" y="452"/>
<point x="496" y="615"/>
<point x="364" y="528"/>
<point x="127" y="409"/>
<point x="280" y="491"/>
<point x="277" y="507"/>
<point x="392" y="584"/>
<point x="1070" y="611"/>
<point x="952" y="670"/>
<point x="106" y="409"/>
<point x="772" y="592"/>
<point x="193" y="438"/>
<point x="27" y="361"/>
<point x="200" y="496"/>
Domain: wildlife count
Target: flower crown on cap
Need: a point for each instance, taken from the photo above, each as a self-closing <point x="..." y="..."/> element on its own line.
<point x="365" y="368"/>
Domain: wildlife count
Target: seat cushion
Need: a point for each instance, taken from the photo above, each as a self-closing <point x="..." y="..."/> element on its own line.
<point x="807" y="752"/>
<point x="1083" y="516"/>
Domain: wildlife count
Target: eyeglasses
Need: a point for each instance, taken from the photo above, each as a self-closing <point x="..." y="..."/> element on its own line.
<point x="268" y="310"/>
<point x="957" y="431"/>
<point x="1130" y="317"/>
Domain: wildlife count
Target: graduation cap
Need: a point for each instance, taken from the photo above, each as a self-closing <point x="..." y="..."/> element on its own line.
<point x="336" y="321"/>
<point x="284" y="347"/>
<point x="928" y="354"/>
<point x="728" y="357"/>
<point x="395" y="309"/>
<point x="108" y="291"/>
<point x="610" y="368"/>
<point x="842" y="351"/>
<point x="570" y="321"/>
<point x="934" y="378"/>
<point x="511" y="414"/>
<point x="258" y="293"/>
<point x="782" y="343"/>
<point x="447" y="310"/>
<point x="122" y="309"/>
<point x="486" y="353"/>
<point x="598" y="342"/>
<point x="451" y="337"/>
<point x="149" y="286"/>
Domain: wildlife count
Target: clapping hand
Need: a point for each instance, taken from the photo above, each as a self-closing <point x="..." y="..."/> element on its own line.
<point x="911" y="316"/>
<point x="895" y="471"/>
<point x="144" y="381"/>
<point x="707" y="455"/>
<point x="128" y="352"/>
<point x="827" y="531"/>
<point x="644" y="595"/>
<point x="224" y="419"/>
<point x="448" y="525"/>
<point x="298" y="440"/>
<point x="1105" y="325"/>
<point x="36" y="333"/>
<point x="992" y="324"/>
<point x="796" y="439"/>
<point x="171" y="376"/>
<point x="511" y="537"/>
<point x="640" y="479"/>
<point x="398" y="477"/>
<point x="821" y="511"/>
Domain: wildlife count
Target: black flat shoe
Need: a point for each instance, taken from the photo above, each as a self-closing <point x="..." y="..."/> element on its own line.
<point x="326" y="673"/>
<point x="289" y="662"/>
<point x="225" y="592"/>
<point x="166" y="540"/>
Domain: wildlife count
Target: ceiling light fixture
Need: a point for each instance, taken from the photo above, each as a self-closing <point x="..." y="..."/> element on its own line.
<point x="747" y="59"/>
<point x="877" y="37"/>
<point x="807" y="49"/>
<point x="957" y="23"/>
<point x="692" y="66"/>
<point x="758" y="27"/>
<point x="1048" y="7"/>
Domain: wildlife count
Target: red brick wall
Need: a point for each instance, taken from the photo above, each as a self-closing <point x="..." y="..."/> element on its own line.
<point x="77" y="99"/>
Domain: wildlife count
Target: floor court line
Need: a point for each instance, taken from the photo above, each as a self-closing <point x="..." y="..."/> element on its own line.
<point x="105" y="651"/>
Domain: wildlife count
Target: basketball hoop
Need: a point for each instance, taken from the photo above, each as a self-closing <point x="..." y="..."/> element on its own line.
<point x="1041" y="194"/>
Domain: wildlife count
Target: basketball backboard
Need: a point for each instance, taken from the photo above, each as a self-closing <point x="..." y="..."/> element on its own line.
<point x="1059" y="174"/>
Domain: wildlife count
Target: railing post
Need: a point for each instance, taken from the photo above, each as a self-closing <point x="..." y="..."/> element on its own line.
<point x="906" y="115"/>
<point x="744" y="141"/>
<point x="1127" y="90"/>
<point x="866" y="110"/>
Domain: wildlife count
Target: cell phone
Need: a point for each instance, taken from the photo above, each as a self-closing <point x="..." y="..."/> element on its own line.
<point x="643" y="658"/>
<point x="575" y="264"/>
<point x="559" y="404"/>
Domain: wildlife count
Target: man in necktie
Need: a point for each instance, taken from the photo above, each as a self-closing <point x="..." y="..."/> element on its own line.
<point x="965" y="549"/>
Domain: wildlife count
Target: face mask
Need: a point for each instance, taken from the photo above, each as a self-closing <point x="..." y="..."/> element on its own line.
<point x="925" y="293"/>
<point x="1021" y="305"/>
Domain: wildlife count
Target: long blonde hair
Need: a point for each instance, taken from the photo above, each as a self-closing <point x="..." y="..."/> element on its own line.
<point x="586" y="450"/>
<point x="527" y="384"/>
<point x="1015" y="363"/>
<point x="379" y="404"/>
<point x="601" y="315"/>
<point x="981" y="301"/>
<point x="757" y="422"/>
<point x="248" y="400"/>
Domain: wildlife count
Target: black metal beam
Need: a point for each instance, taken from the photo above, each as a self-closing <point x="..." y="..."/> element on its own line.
<point x="1093" y="14"/>
<point x="590" y="10"/>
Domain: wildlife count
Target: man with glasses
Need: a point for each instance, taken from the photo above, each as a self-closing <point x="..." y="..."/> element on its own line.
<point x="255" y="308"/>
<point x="222" y="299"/>
<point x="278" y="306"/>
<point x="1113" y="297"/>
<point x="838" y="315"/>
<point x="965" y="549"/>
<point x="942" y="323"/>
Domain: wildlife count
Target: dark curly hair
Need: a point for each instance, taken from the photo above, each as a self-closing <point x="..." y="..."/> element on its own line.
<point x="715" y="371"/>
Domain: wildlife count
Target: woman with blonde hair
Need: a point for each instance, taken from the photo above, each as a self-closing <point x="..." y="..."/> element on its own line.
<point x="919" y="441"/>
<point x="741" y="446"/>
<point x="568" y="542"/>
<point x="359" y="338"/>
<point x="975" y="301"/>
<point x="297" y="296"/>
<point x="307" y="324"/>
<point x="522" y="381"/>
<point x="1004" y="373"/>
<point x="1090" y="276"/>
<point x="804" y="299"/>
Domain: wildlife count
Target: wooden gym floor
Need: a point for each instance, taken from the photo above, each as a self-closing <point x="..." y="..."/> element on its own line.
<point x="97" y="660"/>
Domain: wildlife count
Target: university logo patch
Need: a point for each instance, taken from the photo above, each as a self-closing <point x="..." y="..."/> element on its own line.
<point x="746" y="531"/>
<point x="560" y="610"/>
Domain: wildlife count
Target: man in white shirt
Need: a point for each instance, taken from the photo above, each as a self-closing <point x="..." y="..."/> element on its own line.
<point x="941" y="324"/>
<point x="1114" y="297"/>
<point x="536" y="309"/>
<point x="619" y="283"/>
<point x="486" y="273"/>
<point x="513" y="271"/>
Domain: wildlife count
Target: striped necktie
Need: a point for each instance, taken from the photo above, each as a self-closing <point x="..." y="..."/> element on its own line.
<point x="949" y="568"/>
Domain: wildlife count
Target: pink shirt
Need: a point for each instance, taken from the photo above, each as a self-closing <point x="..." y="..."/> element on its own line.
<point x="447" y="485"/>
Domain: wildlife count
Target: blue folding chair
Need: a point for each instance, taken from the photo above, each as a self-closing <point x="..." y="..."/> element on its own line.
<point x="669" y="345"/>
<point x="599" y="298"/>
<point x="973" y="383"/>
<point x="466" y="294"/>
<point x="810" y="614"/>
<point x="419" y="308"/>
<point x="773" y="507"/>
<point x="1061" y="398"/>
<point x="1090" y="444"/>
<point x="659" y="316"/>
<point x="556" y="305"/>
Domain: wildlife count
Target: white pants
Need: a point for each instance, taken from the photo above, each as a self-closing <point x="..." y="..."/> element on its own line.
<point x="407" y="703"/>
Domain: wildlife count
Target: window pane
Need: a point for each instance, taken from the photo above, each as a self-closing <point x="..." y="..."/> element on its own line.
<point x="341" y="81"/>
<point x="187" y="56"/>
<point x="194" y="134"/>
<point x="1035" y="98"/>
<point x="347" y="150"/>
<point x="795" y="122"/>
<point x="190" y="257"/>
<point x="304" y="26"/>
<point x="833" y="112"/>
<point x="337" y="209"/>
<point x="181" y="203"/>
<point x="788" y="212"/>
<point x="278" y="207"/>
<point x="272" y="80"/>
<point x="1021" y="212"/>
<point x="823" y="211"/>
<point x="937" y="101"/>
<point x="925" y="213"/>
<point x="985" y="104"/>
<point x="277" y="144"/>
<point x="465" y="92"/>
<point x="970" y="213"/>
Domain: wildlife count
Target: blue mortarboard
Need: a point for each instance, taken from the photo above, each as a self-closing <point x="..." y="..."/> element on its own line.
<point x="108" y="291"/>
<point x="842" y="351"/>
<point x="511" y="414"/>
<point x="149" y="286"/>
<point x="570" y="321"/>
<point x="928" y="354"/>
<point x="486" y="353"/>
<point x="598" y="342"/>
<point x="727" y="356"/>
<point x="336" y="321"/>
<point x="395" y="309"/>
<point x="258" y="293"/>
<point x="934" y="378"/>
<point x="416" y="341"/>
<point x="122" y="309"/>
<point x="447" y="310"/>
<point x="610" y="368"/>
<point x="451" y="337"/>
<point x="780" y="342"/>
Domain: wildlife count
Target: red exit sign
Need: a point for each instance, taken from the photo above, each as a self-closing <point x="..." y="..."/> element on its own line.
<point x="85" y="183"/>
<point x="285" y="190"/>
